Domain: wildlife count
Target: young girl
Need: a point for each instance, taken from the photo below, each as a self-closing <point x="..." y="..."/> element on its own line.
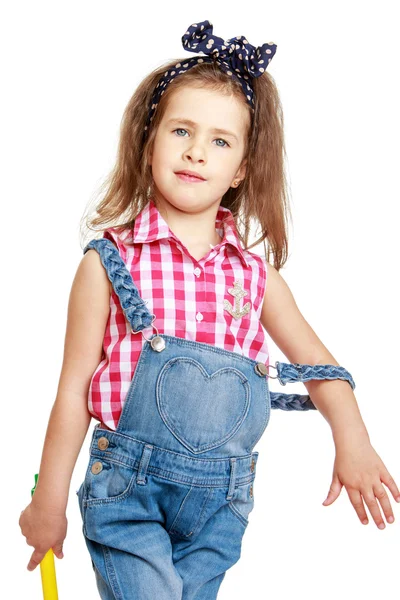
<point x="166" y="347"/>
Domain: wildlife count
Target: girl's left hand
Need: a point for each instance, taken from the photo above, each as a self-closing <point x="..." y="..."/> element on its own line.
<point x="359" y="468"/>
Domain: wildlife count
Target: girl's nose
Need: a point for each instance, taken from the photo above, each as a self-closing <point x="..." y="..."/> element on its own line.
<point x="196" y="150"/>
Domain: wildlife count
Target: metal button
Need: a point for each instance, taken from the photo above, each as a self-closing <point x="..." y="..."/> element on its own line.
<point x="251" y="490"/>
<point x="103" y="443"/>
<point x="157" y="343"/>
<point x="96" y="468"/>
<point x="261" y="369"/>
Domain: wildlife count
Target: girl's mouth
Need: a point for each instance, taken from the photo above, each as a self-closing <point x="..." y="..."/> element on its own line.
<point x="189" y="178"/>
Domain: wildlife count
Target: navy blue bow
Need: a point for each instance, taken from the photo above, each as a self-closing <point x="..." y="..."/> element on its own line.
<point x="236" y="56"/>
<point x="237" y="52"/>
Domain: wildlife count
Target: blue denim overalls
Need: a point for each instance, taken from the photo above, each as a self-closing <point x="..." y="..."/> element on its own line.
<point x="166" y="497"/>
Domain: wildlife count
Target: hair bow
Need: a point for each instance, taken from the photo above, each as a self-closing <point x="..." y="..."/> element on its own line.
<point x="237" y="52"/>
<point x="236" y="56"/>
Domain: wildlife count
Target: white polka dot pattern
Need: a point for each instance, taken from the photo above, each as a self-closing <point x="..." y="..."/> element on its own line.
<point x="236" y="56"/>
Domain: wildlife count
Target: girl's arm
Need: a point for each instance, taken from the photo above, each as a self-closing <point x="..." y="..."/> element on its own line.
<point x="88" y="311"/>
<point x="293" y="335"/>
<point x="44" y="522"/>
<point x="357" y="465"/>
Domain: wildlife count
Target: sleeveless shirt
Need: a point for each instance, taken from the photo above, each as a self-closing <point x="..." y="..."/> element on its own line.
<point x="216" y="300"/>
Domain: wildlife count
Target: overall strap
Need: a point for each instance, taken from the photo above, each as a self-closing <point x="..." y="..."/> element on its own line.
<point x="139" y="317"/>
<point x="290" y="372"/>
<point x="135" y="311"/>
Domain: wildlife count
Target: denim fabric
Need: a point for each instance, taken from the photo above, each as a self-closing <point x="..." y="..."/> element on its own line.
<point x="167" y="497"/>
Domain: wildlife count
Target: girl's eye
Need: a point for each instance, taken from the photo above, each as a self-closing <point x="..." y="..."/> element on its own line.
<point x="222" y="140"/>
<point x="225" y="142"/>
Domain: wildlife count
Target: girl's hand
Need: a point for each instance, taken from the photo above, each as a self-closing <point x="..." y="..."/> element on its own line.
<point x="43" y="528"/>
<point x="359" y="468"/>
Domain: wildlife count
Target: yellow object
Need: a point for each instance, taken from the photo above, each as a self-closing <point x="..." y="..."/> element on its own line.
<point x="47" y="568"/>
<point x="48" y="573"/>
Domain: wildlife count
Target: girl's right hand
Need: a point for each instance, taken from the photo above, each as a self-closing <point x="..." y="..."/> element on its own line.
<point x="44" y="528"/>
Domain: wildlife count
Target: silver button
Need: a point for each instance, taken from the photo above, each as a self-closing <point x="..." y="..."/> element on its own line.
<point x="197" y="271"/>
<point x="261" y="369"/>
<point x="103" y="443"/>
<point x="158" y="343"/>
<point x="96" y="468"/>
<point x="199" y="316"/>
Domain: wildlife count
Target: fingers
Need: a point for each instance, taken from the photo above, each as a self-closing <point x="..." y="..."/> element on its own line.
<point x="35" y="560"/>
<point x="370" y="501"/>
<point x="370" y="497"/>
<point x="388" y="480"/>
<point x="58" y="550"/>
<point x="356" y="500"/>
<point x="381" y="495"/>
<point x="37" y="557"/>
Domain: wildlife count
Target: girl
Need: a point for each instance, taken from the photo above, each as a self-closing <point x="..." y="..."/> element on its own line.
<point x="169" y="485"/>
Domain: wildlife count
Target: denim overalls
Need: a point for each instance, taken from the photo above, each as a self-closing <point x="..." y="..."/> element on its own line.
<point x="166" y="497"/>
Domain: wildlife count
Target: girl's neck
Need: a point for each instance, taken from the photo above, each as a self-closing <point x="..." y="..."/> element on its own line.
<point x="194" y="230"/>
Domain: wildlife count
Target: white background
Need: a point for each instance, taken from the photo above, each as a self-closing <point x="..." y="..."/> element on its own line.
<point x="68" y="71"/>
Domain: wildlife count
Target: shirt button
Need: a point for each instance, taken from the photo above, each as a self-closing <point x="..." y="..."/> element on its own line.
<point x="199" y="316"/>
<point x="197" y="271"/>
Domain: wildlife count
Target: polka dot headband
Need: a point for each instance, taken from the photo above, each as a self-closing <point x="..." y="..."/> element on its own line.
<point x="236" y="56"/>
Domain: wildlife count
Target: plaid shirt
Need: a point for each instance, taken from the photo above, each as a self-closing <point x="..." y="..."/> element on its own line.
<point x="203" y="301"/>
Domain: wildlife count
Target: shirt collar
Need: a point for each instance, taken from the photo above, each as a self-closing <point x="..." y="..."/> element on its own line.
<point x="150" y="226"/>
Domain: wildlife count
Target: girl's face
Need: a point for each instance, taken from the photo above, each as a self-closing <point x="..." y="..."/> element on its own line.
<point x="199" y="147"/>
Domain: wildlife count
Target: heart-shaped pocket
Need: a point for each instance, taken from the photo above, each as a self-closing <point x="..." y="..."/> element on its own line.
<point x="201" y="410"/>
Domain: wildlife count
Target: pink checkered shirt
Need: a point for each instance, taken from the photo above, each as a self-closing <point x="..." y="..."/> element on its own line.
<point x="191" y="299"/>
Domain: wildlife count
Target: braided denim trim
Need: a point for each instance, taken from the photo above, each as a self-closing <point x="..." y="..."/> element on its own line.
<point x="289" y="372"/>
<point x="132" y="304"/>
<point x="291" y="401"/>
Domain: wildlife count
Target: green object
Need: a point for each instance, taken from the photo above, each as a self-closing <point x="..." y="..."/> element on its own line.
<point x="34" y="487"/>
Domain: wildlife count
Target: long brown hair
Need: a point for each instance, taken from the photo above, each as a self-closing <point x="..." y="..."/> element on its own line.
<point x="262" y="197"/>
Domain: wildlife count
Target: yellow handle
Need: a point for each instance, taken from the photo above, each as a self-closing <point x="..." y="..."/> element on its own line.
<point x="48" y="572"/>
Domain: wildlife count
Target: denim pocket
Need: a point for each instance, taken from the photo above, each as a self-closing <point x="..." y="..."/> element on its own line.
<point x="242" y="503"/>
<point x="107" y="481"/>
<point x="208" y="411"/>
